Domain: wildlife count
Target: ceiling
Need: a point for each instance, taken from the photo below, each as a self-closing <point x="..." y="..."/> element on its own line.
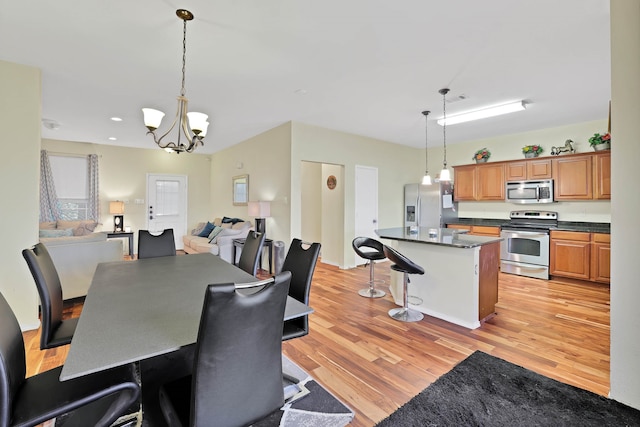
<point x="367" y="67"/>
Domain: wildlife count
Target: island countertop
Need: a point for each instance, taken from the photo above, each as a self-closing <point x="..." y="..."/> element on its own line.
<point x="445" y="237"/>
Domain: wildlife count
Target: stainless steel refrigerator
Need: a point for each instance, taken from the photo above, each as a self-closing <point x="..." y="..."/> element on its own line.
<point x="429" y="205"/>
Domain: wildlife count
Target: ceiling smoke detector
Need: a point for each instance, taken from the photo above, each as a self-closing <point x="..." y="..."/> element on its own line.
<point x="50" y="124"/>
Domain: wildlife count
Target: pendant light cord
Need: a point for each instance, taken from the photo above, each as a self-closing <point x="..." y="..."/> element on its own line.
<point x="426" y="142"/>
<point x="184" y="54"/>
<point x="444" y="127"/>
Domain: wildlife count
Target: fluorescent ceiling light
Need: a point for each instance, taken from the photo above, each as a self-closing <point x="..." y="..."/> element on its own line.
<point x="483" y="114"/>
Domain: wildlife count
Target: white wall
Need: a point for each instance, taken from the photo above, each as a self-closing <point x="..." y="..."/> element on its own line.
<point x="333" y="214"/>
<point x="311" y="209"/>
<point x="19" y="192"/>
<point x="625" y="233"/>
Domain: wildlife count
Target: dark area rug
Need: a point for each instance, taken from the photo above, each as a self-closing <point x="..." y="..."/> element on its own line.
<point x="483" y="390"/>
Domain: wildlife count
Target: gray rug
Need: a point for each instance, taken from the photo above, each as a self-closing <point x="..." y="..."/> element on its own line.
<point x="483" y="390"/>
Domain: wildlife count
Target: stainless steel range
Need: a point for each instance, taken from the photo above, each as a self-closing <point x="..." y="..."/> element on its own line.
<point x="524" y="249"/>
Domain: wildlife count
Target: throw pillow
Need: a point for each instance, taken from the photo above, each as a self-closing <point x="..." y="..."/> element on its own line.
<point x="198" y="228"/>
<point x="226" y="220"/>
<point x="48" y="225"/>
<point x="214" y="234"/>
<point x="57" y="233"/>
<point x="208" y="228"/>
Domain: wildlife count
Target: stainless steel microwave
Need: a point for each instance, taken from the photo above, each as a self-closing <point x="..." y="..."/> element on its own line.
<point x="529" y="191"/>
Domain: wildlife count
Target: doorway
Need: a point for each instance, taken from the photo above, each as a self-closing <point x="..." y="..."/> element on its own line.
<point x="366" y="204"/>
<point x="167" y="205"/>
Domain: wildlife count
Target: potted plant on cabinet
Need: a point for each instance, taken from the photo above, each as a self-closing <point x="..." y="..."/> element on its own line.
<point x="481" y="155"/>
<point x="600" y="142"/>
<point x="531" y="150"/>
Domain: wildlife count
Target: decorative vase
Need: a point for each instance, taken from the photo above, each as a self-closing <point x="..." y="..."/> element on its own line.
<point x="603" y="146"/>
<point x="481" y="160"/>
<point x="530" y="154"/>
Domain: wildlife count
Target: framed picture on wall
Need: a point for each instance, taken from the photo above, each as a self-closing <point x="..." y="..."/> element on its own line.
<point x="240" y="190"/>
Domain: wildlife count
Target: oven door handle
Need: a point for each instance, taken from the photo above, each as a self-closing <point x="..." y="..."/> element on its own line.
<point x="523" y="234"/>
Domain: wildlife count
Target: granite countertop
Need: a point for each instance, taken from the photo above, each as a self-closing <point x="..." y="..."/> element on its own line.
<point x="442" y="236"/>
<point x="587" y="227"/>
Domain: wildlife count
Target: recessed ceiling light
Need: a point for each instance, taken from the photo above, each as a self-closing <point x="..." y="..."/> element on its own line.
<point x="51" y="124"/>
<point x="113" y="138"/>
<point x="116" y="119"/>
<point x="301" y="91"/>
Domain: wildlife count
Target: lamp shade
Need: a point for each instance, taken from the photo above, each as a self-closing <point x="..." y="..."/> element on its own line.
<point x="116" y="207"/>
<point x="260" y="209"/>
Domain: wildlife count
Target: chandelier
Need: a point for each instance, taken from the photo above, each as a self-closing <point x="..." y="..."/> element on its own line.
<point x="193" y="125"/>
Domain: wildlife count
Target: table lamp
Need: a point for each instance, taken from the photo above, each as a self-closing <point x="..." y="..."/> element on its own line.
<point x="260" y="211"/>
<point x="117" y="208"/>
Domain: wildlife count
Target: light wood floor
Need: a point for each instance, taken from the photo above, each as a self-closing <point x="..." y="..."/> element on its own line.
<point x="375" y="364"/>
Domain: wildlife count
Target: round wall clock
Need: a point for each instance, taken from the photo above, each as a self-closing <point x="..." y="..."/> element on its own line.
<point x="331" y="182"/>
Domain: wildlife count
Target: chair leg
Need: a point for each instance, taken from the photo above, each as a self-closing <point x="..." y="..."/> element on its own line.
<point x="406" y="314"/>
<point x="371" y="291"/>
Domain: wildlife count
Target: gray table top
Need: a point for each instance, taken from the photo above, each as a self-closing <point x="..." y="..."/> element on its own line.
<point x="443" y="236"/>
<point x="139" y="309"/>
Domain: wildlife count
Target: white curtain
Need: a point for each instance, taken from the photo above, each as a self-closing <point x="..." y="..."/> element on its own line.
<point x="48" y="201"/>
<point x="93" y="190"/>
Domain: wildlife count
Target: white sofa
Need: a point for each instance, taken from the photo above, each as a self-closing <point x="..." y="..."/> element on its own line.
<point x="76" y="256"/>
<point x="222" y="244"/>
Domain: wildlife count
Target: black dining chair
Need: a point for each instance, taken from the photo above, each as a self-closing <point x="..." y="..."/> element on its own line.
<point x="95" y="400"/>
<point x="301" y="262"/>
<point x="55" y="331"/>
<point x="152" y="246"/>
<point x="237" y="367"/>
<point x="251" y="251"/>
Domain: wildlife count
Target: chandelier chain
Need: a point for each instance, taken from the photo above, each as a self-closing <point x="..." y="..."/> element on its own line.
<point x="184" y="56"/>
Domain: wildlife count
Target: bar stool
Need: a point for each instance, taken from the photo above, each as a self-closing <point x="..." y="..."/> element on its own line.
<point x="406" y="266"/>
<point x="372" y="255"/>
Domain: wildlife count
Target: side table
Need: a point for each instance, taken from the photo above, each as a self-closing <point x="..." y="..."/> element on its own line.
<point x="268" y="243"/>
<point x="120" y="234"/>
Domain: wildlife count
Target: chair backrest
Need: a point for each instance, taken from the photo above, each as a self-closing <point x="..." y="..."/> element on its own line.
<point x="150" y="246"/>
<point x="12" y="360"/>
<point x="376" y="251"/>
<point x="301" y="263"/>
<point x="251" y="252"/>
<point x="237" y="374"/>
<point x="402" y="262"/>
<point x="49" y="287"/>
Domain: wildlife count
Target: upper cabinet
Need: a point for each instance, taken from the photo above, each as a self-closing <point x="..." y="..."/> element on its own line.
<point x="573" y="177"/>
<point x="484" y="181"/>
<point x="602" y="175"/>
<point x="521" y="170"/>
<point x="581" y="176"/>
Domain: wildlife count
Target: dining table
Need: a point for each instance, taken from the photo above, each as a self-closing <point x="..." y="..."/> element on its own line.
<point x="138" y="310"/>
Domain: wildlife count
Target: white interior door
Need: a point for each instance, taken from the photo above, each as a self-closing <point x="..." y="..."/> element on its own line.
<point x="366" y="204"/>
<point x="167" y="205"/>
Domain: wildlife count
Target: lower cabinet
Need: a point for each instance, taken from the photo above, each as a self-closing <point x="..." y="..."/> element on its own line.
<point x="580" y="255"/>
<point x="477" y="230"/>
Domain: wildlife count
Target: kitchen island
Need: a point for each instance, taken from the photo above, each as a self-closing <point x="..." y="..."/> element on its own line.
<point x="460" y="281"/>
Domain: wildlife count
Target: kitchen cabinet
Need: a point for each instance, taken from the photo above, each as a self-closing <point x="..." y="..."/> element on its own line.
<point x="601" y="257"/>
<point x="528" y="169"/>
<point x="602" y="175"/>
<point x="580" y="255"/>
<point x="477" y="230"/>
<point x="570" y="254"/>
<point x="573" y="178"/>
<point x="479" y="182"/>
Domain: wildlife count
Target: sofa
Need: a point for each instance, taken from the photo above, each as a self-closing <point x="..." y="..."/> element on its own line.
<point x="201" y="239"/>
<point x="76" y="249"/>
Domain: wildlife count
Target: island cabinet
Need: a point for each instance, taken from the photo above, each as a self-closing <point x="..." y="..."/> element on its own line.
<point x="528" y="169"/>
<point x="580" y="255"/>
<point x="480" y="182"/>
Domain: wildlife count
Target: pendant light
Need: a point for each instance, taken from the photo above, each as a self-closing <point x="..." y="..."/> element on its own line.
<point x="426" y="179"/>
<point x="444" y="173"/>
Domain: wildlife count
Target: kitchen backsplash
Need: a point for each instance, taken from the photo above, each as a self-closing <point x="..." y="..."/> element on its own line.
<point x="591" y="211"/>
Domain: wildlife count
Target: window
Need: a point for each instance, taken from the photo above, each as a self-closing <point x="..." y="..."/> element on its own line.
<point x="70" y="177"/>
